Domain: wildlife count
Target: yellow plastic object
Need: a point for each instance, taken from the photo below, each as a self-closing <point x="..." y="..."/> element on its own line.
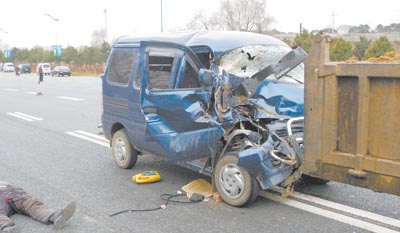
<point x="146" y="177"/>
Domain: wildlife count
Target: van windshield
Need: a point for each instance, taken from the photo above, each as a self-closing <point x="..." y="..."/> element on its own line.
<point x="46" y="66"/>
<point x="249" y="60"/>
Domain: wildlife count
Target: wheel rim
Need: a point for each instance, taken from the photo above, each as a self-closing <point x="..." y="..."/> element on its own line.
<point x="231" y="181"/>
<point x="120" y="149"/>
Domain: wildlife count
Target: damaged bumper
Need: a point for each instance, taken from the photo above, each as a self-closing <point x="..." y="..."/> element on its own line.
<point x="276" y="161"/>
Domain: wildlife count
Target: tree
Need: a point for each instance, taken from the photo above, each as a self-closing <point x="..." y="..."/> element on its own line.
<point x="362" y="28"/>
<point x="379" y="48"/>
<point x="240" y="15"/>
<point x="361" y="47"/>
<point x="304" y="40"/>
<point x="340" y="50"/>
<point x="199" y="21"/>
<point x="69" y="55"/>
<point x="393" y="27"/>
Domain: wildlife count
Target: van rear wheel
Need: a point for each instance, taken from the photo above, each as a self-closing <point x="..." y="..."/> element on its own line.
<point x="125" y="156"/>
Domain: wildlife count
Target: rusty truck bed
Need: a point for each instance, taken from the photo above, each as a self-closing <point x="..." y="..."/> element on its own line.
<point x="352" y="121"/>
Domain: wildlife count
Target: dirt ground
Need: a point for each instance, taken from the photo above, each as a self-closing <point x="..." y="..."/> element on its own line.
<point x="388" y="57"/>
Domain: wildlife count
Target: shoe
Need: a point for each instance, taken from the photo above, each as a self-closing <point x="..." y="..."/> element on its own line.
<point x="8" y="229"/>
<point x="61" y="217"/>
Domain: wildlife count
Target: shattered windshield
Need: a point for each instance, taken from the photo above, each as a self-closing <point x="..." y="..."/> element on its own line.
<point x="248" y="60"/>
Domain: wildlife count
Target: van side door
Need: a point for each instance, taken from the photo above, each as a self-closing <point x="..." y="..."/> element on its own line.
<point x="121" y="94"/>
<point x="174" y="104"/>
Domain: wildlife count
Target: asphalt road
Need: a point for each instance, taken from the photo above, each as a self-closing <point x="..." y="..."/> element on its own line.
<point x="43" y="156"/>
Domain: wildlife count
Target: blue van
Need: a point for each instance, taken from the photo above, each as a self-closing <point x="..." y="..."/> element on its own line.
<point x="226" y="104"/>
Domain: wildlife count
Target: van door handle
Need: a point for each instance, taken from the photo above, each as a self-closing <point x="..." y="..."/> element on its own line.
<point x="148" y="110"/>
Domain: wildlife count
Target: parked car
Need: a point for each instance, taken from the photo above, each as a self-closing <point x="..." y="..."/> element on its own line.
<point x="225" y="104"/>
<point x="61" y="71"/>
<point x="24" y="68"/>
<point x="46" y="67"/>
<point x="8" y="67"/>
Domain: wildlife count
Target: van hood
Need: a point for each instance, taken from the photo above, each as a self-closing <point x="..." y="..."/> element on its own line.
<point x="278" y="100"/>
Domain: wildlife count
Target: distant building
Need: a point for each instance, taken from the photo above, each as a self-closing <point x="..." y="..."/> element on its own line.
<point x="343" y="29"/>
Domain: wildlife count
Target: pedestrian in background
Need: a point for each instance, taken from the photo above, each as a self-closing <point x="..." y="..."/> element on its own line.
<point x="14" y="199"/>
<point x="40" y="74"/>
<point x="16" y="71"/>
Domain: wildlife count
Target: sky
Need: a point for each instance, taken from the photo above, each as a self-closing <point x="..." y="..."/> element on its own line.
<point x="27" y="24"/>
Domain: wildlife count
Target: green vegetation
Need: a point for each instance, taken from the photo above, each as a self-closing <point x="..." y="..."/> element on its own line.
<point x="85" y="56"/>
<point x="360" y="47"/>
<point x="379" y="48"/>
<point x="304" y="40"/>
<point x="340" y="50"/>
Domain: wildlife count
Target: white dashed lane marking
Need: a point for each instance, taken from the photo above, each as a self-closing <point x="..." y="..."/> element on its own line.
<point x="69" y="98"/>
<point x="24" y="116"/>
<point x="9" y="89"/>
<point x="90" y="137"/>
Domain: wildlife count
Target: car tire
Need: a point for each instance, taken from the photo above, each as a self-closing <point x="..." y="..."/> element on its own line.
<point x="234" y="183"/>
<point x="125" y="156"/>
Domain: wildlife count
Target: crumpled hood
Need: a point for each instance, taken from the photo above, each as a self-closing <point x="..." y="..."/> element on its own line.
<point x="278" y="99"/>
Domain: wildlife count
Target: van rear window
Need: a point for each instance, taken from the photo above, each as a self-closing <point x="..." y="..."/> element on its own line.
<point x="121" y="65"/>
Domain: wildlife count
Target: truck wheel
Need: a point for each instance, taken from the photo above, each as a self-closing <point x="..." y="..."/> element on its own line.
<point x="123" y="152"/>
<point x="235" y="185"/>
<point x="313" y="180"/>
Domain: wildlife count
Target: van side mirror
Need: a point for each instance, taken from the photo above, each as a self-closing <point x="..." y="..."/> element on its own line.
<point x="205" y="77"/>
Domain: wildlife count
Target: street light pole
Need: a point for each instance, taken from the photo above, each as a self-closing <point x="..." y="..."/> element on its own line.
<point x="161" y="16"/>
<point x="5" y="32"/>
<point x="55" y="24"/>
<point x="1" y="29"/>
<point x="55" y="29"/>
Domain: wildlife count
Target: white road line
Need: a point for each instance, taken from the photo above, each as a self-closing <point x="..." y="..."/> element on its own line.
<point x="328" y="214"/>
<point x="9" y="89"/>
<point x="29" y="116"/>
<point x="348" y="209"/>
<point x="31" y="93"/>
<point x="69" y="98"/>
<point x="18" y="116"/>
<point x="102" y="138"/>
<point x="90" y="139"/>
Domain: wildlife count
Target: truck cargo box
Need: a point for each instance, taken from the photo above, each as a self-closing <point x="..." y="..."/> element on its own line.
<point x="352" y="124"/>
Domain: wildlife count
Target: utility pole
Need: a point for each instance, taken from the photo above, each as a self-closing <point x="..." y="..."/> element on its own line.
<point x="161" y="16"/>
<point x="105" y="19"/>
<point x="333" y="22"/>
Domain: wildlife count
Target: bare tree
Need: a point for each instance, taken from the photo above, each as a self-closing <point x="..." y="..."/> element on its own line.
<point x="98" y="37"/>
<point x="199" y="21"/>
<point x="241" y="15"/>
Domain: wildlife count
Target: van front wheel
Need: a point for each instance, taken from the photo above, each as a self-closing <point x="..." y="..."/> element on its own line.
<point x="125" y="156"/>
<point x="234" y="183"/>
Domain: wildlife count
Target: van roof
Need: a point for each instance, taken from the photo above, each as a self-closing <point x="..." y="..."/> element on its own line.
<point x="217" y="41"/>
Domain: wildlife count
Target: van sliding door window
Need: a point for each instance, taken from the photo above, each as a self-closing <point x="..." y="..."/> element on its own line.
<point x="121" y="66"/>
<point x="159" y="70"/>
